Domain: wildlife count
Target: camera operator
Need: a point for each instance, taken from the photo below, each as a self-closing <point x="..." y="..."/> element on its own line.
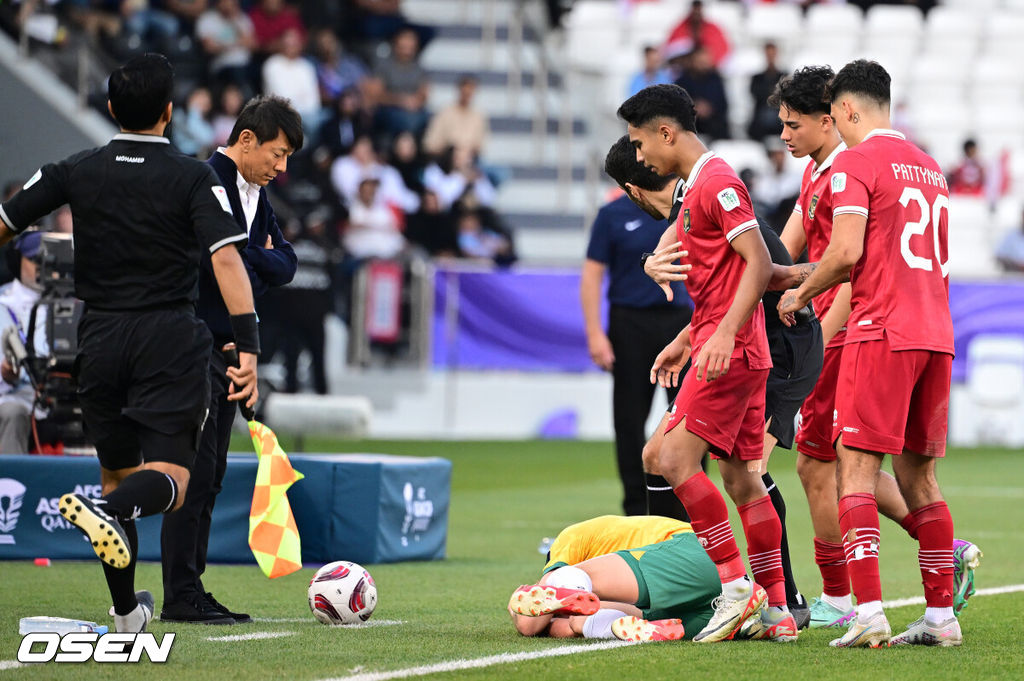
<point x="142" y="214"/>
<point x="17" y="298"/>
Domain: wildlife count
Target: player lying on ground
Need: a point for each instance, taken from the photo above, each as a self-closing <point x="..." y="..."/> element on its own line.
<point x="796" y="350"/>
<point x="596" y="586"/>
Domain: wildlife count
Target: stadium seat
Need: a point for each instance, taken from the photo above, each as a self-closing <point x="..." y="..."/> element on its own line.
<point x="1006" y="216"/>
<point x="980" y="6"/>
<point x="588" y="13"/>
<point x="1001" y="33"/>
<point x="990" y="407"/>
<point x="729" y="17"/>
<point x="660" y="15"/>
<point x="828" y="18"/>
<point x="898" y="20"/>
<point x="742" y="154"/>
<point x="939" y="68"/>
<point x="781" y="24"/>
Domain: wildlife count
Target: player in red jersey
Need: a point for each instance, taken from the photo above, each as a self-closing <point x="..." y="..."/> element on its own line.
<point x="808" y="130"/>
<point x="889" y="237"/>
<point x="720" y="405"/>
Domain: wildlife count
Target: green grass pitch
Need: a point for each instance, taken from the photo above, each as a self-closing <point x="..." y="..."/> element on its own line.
<point x="506" y="496"/>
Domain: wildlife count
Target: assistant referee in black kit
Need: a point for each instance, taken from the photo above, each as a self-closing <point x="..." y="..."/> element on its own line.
<point x="640" y="324"/>
<point x="143" y="213"/>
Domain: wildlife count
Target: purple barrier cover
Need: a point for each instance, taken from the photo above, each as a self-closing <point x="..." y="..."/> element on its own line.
<point x="531" y="320"/>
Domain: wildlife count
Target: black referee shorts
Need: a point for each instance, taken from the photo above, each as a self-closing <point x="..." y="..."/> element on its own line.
<point x="144" y="384"/>
<point x="797" y="357"/>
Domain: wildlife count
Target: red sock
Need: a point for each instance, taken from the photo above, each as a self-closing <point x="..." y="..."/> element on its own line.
<point x="831" y="560"/>
<point x="858" y="521"/>
<point x="710" y="520"/>
<point x="934" y="528"/>
<point x="763" y="530"/>
<point x="909" y="525"/>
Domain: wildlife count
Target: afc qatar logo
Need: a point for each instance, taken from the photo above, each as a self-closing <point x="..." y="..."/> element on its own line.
<point x="419" y="511"/>
<point x="12" y="493"/>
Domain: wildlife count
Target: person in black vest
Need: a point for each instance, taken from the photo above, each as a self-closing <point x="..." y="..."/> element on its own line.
<point x="640" y="324"/>
<point x="143" y="215"/>
<point x="267" y="132"/>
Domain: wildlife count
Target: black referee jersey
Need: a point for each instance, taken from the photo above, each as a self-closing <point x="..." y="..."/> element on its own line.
<point x="142" y="211"/>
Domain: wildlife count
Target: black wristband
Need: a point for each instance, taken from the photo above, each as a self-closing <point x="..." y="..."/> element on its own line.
<point x="643" y="259"/>
<point x="246" y="329"/>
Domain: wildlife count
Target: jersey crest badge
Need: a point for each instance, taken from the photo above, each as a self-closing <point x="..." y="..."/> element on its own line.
<point x="729" y="199"/>
<point x="686" y="220"/>
<point x="814" y="204"/>
<point x="222" y="198"/>
<point x="838" y="182"/>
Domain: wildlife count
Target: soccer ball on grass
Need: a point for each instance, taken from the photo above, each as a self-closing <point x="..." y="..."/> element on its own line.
<point x="342" y="592"/>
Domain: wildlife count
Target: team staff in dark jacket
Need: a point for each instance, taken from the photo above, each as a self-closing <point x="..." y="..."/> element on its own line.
<point x="267" y="132"/>
<point x="143" y="214"/>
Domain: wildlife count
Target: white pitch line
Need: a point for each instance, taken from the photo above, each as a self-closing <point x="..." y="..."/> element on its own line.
<point x="477" y="663"/>
<point x="310" y="620"/>
<point x="254" y="636"/>
<point x="10" y="664"/>
<point x="991" y="591"/>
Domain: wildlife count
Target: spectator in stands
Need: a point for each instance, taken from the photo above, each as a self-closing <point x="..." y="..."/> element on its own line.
<point x="271" y="20"/>
<point x="776" y="191"/>
<point x="764" y="122"/>
<point x="968" y="178"/>
<point x="230" y="104"/>
<point x="347" y="122"/>
<point x="290" y="75"/>
<point x="696" y="31"/>
<point x="382" y="19"/>
<point x="374" y="229"/>
<point x="432" y="228"/>
<point x="147" y="27"/>
<point x="98" y="19"/>
<point x="187" y="12"/>
<point x="475" y="241"/>
<point x="17" y="299"/>
<point x="1010" y="251"/>
<point x="337" y="71"/>
<point x="707" y="88"/>
<point x="404" y="99"/>
<point x="347" y="172"/>
<point x="194" y="133"/>
<point x="227" y="37"/>
<point x="458" y="124"/>
<point x="654" y="72"/>
<point x="456" y="174"/>
<point x="405" y="157"/>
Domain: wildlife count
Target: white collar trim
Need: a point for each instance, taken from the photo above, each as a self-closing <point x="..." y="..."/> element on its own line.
<point x="827" y="163"/>
<point x="694" y="172"/>
<point x="132" y="137"/>
<point x="886" y="132"/>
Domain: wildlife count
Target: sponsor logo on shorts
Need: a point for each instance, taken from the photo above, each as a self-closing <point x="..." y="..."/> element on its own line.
<point x="700" y="422"/>
<point x="850" y="429"/>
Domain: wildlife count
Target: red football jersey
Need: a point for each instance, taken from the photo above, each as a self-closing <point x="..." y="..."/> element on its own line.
<point x="716" y="208"/>
<point x="900" y="285"/>
<point x="815" y="209"/>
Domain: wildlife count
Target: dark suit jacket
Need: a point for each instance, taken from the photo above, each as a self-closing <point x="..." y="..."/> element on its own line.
<point x="266" y="267"/>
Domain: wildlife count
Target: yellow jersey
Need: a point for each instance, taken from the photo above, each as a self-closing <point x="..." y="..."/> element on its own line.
<point x="607" y="534"/>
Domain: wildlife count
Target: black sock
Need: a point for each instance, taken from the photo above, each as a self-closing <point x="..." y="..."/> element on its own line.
<point x="662" y="499"/>
<point x="787" y="567"/>
<point x="121" y="583"/>
<point x="144" y="493"/>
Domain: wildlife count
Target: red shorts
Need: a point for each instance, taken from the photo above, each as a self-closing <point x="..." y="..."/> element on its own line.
<point x="818" y="414"/>
<point x="889" y="401"/>
<point x="727" y="413"/>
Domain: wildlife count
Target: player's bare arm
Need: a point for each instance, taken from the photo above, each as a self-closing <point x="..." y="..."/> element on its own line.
<point x="838" y="313"/>
<point x="713" y="359"/>
<point x="663" y="267"/>
<point x="789" y="276"/>
<point x="842" y="254"/>
<point x="793" y="236"/>
<point x="669" y="363"/>
<point x="233" y="281"/>
<point x="598" y="345"/>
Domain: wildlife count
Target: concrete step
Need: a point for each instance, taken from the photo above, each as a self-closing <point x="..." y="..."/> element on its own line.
<point x="509" y="149"/>
<point x="546" y="173"/>
<point x="496" y="78"/>
<point x="469" y="12"/>
<point x="476" y="32"/>
<point x="527" y="221"/>
<point x="539" y="196"/>
<point x="463" y="55"/>
<point x="503" y="101"/>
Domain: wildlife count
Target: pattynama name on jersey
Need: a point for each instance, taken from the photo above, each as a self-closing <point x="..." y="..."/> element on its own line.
<point x="129" y="159"/>
<point x="909" y="173"/>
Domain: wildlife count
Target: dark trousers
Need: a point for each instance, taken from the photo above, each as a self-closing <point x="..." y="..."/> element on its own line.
<point x="185" y="534"/>
<point x="637" y="336"/>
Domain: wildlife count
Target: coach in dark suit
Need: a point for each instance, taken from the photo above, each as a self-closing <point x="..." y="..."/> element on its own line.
<point x="267" y="132"/>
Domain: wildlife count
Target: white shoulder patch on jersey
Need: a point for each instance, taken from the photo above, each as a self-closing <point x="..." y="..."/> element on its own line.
<point x="729" y="198"/>
<point x="35" y="178"/>
<point x="222" y="198"/>
<point x="633" y="225"/>
<point x="838" y="182"/>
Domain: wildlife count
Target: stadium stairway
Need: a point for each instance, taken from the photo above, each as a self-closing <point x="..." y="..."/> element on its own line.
<point x="544" y="195"/>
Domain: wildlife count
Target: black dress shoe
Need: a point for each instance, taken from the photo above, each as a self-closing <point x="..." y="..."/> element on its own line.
<point x="195" y="610"/>
<point x="238" y="617"/>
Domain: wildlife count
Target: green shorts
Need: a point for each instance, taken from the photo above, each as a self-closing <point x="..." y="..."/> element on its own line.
<point x="676" y="579"/>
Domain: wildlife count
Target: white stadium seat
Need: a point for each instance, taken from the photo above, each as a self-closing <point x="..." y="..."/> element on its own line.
<point x="829" y="18"/>
<point x="742" y="154"/>
<point x="661" y="16"/>
<point x="989" y="409"/>
<point x="587" y="13"/>
<point x="782" y="24"/>
<point x="729" y="17"/>
<point x="949" y="22"/>
<point x="939" y="68"/>
<point x="894" y="20"/>
<point x="980" y="6"/>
